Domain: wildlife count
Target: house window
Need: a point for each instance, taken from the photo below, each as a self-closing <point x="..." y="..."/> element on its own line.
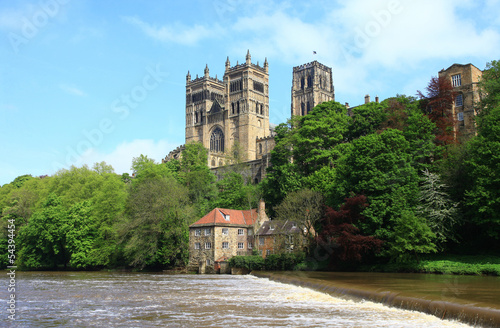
<point x="456" y="80"/>
<point x="226" y="217"/>
<point x="250" y="245"/>
<point x="261" y="241"/>
<point x="240" y="245"/>
<point x="268" y="252"/>
<point x="197" y="232"/>
<point x="197" y="246"/>
<point x="225" y="231"/>
<point x="225" y="245"/>
<point x="207" y="232"/>
<point x="208" y="245"/>
<point x="459" y="100"/>
<point x="208" y="262"/>
<point x="250" y="232"/>
<point x="241" y="232"/>
<point x="460" y="116"/>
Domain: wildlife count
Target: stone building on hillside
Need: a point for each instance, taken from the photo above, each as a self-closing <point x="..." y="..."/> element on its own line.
<point x="222" y="234"/>
<point x="464" y="79"/>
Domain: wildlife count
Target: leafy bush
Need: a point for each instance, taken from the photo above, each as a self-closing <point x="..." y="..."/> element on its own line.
<point x="276" y="262"/>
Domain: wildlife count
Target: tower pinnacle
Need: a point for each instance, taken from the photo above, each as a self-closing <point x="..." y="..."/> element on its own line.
<point x="248" y="58"/>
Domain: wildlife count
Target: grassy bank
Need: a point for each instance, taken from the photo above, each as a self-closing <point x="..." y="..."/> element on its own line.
<point x="446" y="264"/>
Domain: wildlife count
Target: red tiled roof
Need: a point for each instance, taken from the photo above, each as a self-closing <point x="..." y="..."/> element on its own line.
<point x="236" y="217"/>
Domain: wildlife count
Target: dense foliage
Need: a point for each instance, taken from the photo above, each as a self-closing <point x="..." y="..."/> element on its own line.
<point x="84" y="218"/>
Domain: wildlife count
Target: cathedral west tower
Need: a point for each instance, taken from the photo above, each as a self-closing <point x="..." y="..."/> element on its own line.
<point x="234" y="111"/>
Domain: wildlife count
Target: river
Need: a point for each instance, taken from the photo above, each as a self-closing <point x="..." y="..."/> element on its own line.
<point x="110" y="299"/>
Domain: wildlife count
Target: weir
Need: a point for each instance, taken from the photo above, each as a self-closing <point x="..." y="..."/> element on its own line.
<point x="467" y="313"/>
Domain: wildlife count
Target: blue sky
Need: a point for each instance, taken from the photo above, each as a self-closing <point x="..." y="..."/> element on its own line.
<point x="85" y="81"/>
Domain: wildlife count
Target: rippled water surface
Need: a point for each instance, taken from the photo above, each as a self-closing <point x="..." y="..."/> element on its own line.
<point x="101" y="299"/>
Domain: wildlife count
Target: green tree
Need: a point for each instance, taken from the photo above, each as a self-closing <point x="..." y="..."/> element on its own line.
<point x="489" y="88"/>
<point x="305" y="208"/>
<point x="81" y="231"/>
<point x="366" y="119"/>
<point x="155" y="229"/>
<point x="410" y="237"/>
<point x="43" y="239"/>
<point x="436" y="206"/>
<point x="482" y="197"/>
<point x="379" y="166"/>
<point x="196" y="175"/>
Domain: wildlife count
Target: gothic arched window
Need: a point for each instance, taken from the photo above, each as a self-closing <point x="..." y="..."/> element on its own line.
<point x="302" y="83"/>
<point x="303" y="108"/>
<point x="217" y="140"/>
<point x="309" y="81"/>
<point x="260" y="148"/>
<point x="308" y="107"/>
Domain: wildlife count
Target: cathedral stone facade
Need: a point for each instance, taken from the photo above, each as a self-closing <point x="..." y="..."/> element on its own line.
<point x="229" y="114"/>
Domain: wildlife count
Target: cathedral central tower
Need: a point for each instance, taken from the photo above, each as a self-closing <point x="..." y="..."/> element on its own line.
<point x="312" y="84"/>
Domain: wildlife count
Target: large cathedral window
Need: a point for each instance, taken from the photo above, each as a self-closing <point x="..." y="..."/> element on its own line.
<point x="217" y="141"/>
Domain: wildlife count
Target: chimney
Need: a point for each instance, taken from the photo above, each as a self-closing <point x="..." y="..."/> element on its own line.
<point x="376" y="99"/>
<point x="367" y="99"/>
<point x="261" y="212"/>
<point x="346" y="105"/>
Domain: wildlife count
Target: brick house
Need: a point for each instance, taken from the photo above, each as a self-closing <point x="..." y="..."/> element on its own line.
<point x="222" y="234"/>
<point x="279" y="237"/>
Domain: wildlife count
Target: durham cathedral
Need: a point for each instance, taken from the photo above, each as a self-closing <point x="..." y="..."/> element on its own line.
<point x="232" y="115"/>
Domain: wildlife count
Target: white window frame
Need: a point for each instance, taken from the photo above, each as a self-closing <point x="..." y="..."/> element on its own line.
<point x="460" y="116"/>
<point x="241" y="245"/>
<point x="261" y="241"/>
<point x="225" y="231"/>
<point x="456" y="80"/>
<point x="241" y="232"/>
<point x="197" y="232"/>
<point x="250" y="245"/>
<point x="459" y="100"/>
<point x="207" y="232"/>
<point x="208" y="245"/>
<point x="225" y="245"/>
<point x="197" y="245"/>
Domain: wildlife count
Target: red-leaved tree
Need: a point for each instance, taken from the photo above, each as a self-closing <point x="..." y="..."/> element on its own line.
<point x="440" y="97"/>
<point x="341" y="233"/>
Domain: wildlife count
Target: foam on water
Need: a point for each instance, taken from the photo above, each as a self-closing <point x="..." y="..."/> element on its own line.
<point x="155" y="300"/>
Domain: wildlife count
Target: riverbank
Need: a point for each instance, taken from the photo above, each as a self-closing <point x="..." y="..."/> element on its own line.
<point x="472" y="300"/>
<point x="445" y="264"/>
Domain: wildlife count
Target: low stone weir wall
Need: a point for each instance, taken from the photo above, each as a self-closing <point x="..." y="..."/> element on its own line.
<point x="477" y="316"/>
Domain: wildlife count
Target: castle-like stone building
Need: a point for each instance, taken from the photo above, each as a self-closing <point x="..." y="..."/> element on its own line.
<point x="464" y="79"/>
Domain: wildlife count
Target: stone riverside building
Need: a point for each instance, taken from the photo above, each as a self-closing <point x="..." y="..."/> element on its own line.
<point x="464" y="79"/>
<point x="222" y="234"/>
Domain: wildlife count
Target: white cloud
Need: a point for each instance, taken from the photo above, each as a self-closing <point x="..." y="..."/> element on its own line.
<point x="72" y="90"/>
<point x="121" y="157"/>
<point x="178" y="34"/>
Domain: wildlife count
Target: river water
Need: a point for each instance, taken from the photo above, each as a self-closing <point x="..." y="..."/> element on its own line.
<point x="103" y="299"/>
